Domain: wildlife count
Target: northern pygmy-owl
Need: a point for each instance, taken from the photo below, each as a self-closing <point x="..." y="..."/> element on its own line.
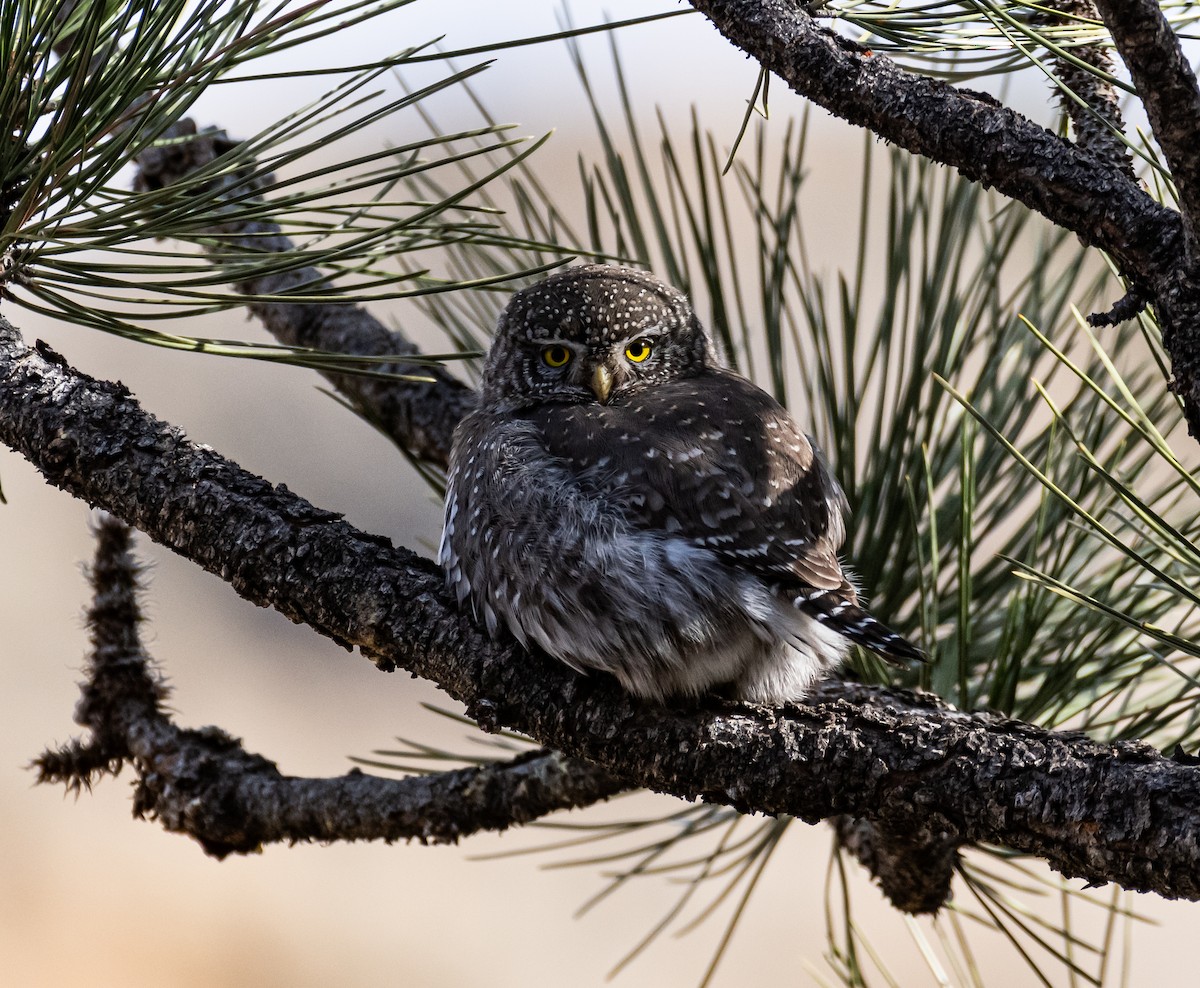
<point x="629" y="505"/>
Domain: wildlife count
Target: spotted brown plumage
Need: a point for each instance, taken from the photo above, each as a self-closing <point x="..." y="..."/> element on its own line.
<point x="627" y="504"/>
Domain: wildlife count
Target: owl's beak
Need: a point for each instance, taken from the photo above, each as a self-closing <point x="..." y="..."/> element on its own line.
<point x="602" y="382"/>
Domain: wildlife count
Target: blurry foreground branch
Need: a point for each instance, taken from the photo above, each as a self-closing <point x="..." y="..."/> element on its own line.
<point x="419" y="415"/>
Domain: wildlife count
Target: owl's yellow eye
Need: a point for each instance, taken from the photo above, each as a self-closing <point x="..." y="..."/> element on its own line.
<point x="638" y="350"/>
<point x="556" y="356"/>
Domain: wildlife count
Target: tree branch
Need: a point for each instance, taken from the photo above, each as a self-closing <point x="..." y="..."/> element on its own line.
<point x="205" y="784"/>
<point x="1000" y="148"/>
<point x="1097" y="122"/>
<point x="1104" y="812"/>
<point x="915" y="875"/>
<point x="987" y="142"/>
<point x="1094" y="110"/>
<point x="1167" y="88"/>
<point x="418" y="415"/>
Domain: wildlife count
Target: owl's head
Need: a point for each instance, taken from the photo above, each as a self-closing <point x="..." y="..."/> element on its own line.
<point x="593" y="333"/>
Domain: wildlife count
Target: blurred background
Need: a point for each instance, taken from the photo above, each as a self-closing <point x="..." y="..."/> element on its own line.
<point x="94" y="897"/>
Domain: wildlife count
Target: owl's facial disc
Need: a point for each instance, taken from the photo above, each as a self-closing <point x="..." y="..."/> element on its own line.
<point x="593" y="333"/>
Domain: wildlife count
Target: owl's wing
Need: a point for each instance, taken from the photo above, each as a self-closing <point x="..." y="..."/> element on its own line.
<point x="563" y="566"/>
<point x="719" y="462"/>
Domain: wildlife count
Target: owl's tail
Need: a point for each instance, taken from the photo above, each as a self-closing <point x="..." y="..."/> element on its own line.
<point x="851" y="621"/>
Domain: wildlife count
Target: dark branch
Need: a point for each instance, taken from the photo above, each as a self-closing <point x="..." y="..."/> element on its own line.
<point x="1167" y="88"/>
<point x="419" y="416"/>
<point x="1128" y="306"/>
<point x="203" y="783"/>
<point x="914" y="869"/>
<point x="987" y="142"/>
<point x="914" y="872"/>
<point x="998" y="147"/>
<point x="1091" y="105"/>
<point x="1098" y="123"/>
<point x="1103" y="812"/>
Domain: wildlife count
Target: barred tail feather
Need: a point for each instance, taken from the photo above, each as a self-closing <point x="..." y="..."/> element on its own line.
<point x="834" y="611"/>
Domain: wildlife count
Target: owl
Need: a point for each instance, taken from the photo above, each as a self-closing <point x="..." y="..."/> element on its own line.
<point x="623" y="501"/>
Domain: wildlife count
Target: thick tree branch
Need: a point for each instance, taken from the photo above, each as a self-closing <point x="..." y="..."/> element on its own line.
<point x="1103" y="812"/>
<point x="998" y="147"/>
<point x="987" y="142"/>
<point x="205" y="784"/>
<point x="1167" y="88"/>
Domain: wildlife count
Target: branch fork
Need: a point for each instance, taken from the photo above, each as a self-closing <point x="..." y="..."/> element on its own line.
<point x="897" y="764"/>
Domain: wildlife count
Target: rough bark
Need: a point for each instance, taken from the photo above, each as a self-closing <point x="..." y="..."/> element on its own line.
<point x="203" y="783"/>
<point x="998" y="147"/>
<point x="419" y="415"/>
<point x="985" y="141"/>
<point x="1097" y="122"/>
<point x="1103" y="812"/>
<point x="1167" y="87"/>
<point x="915" y="873"/>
